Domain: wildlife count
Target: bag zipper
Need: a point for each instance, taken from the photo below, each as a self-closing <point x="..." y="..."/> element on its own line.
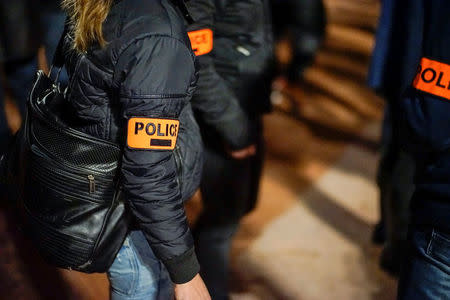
<point x="91" y="179"/>
<point x="102" y="231"/>
<point x="94" y="199"/>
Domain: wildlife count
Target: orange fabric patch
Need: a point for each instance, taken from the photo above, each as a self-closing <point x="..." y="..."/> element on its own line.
<point x="152" y="134"/>
<point x="201" y="41"/>
<point x="433" y="77"/>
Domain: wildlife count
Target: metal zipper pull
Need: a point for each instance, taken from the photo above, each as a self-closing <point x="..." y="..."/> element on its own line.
<point x="91" y="179"/>
<point x="85" y="265"/>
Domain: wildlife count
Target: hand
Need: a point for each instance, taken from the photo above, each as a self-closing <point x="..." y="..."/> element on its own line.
<point x="280" y="83"/>
<point x="243" y="153"/>
<point x="192" y="290"/>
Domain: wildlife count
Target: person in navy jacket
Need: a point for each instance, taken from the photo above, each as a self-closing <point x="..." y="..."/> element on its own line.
<point x="392" y="69"/>
<point x="425" y="121"/>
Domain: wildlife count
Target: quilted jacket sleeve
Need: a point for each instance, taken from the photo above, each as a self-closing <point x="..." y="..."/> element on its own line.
<point x="157" y="77"/>
<point x="217" y="104"/>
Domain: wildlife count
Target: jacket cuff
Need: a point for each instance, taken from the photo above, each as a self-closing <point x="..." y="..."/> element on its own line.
<point x="184" y="267"/>
<point x="245" y="141"/>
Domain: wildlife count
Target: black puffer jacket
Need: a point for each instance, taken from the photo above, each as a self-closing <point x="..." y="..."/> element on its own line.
<point x="145" y="77"/>
<point x="234" y="69"/>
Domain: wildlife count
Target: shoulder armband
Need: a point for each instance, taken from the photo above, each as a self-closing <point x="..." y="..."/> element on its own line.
<point x="152" y="133"/>
<point x="433" y="77"/>
<point x="201" y="41"/>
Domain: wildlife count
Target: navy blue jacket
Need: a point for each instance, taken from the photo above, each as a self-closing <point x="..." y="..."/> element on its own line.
<point x="397" y="49"/>
<point x="232" y="74"/>
<point x="426" y="116"/>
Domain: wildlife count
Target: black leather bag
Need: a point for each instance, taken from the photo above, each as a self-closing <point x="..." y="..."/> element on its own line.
<point x="67" y="184"/>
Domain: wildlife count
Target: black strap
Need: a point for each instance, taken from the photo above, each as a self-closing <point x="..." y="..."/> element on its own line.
<point x="58" y="56"/>
<point x="184" y="10"/>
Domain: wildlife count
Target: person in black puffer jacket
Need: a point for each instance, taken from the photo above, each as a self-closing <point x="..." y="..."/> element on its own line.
<point x="143" y="77"/>
<point x="234" y="46"/>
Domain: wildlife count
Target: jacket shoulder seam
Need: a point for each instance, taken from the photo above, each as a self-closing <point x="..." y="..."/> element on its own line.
<point x="142" y="37"/>
<point x="154" y="96"/>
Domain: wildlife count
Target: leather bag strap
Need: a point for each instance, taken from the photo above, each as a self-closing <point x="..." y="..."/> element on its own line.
<point x="58" y="56"/>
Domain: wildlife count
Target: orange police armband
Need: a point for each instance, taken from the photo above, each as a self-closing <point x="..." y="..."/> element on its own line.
<point x="201" y="41"/>
<point x="152" y="134"/>
<point x="433" y="77"/>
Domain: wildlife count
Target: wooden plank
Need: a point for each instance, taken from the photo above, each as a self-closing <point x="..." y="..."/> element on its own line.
<point x="349" y="39"/>
<point x="342" y="64"/>
<point x="353" y="95"/>
<point x="353" y="13"/>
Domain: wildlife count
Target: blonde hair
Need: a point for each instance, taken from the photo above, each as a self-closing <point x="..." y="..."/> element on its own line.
<point x="87" y="17"/>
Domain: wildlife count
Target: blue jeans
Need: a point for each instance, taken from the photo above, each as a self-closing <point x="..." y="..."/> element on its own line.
<point x="426" y="274"/>
<point x="136" y="274"/>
